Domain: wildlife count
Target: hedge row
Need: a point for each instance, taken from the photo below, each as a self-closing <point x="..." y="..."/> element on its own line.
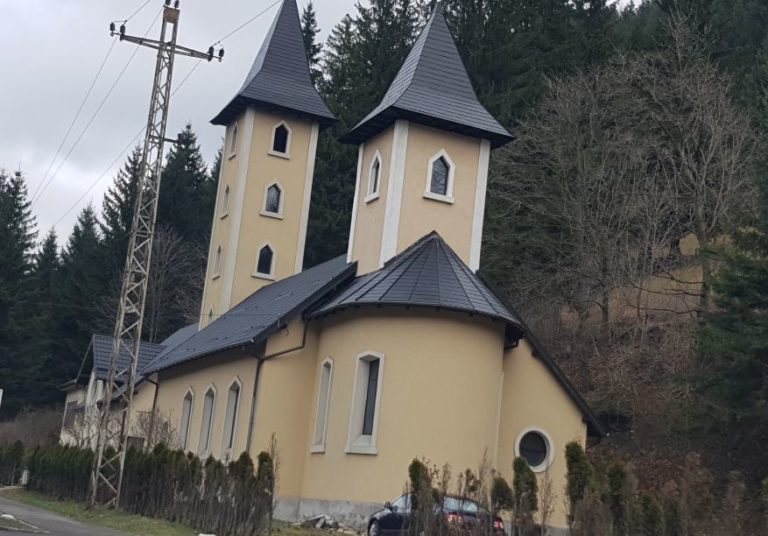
<point x="231" y="500"/>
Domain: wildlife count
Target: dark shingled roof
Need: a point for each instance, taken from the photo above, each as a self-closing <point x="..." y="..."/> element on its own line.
<point x="432" y="88"/>
<point x="101" y="346"/>
<point x="279" y="78"/>
<point x="427" y="274"/>
<point x="261" y="314"/>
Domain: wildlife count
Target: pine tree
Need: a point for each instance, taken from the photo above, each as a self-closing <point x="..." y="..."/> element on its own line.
<point x="81" y="310"/>
<point x="187" y="194"/>
<point x="17" y="236"/>
<point x="117" y="214"/>
<point x="45" y="280"/>
<point x="309" y="31"/>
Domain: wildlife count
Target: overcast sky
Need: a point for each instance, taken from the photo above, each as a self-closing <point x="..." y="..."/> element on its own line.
<point x="51" y="51"/>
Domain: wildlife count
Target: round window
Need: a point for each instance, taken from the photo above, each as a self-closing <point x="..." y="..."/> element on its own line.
<point x="534" y="448"/>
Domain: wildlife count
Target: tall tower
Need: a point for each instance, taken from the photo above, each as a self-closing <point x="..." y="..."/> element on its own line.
<point x="423" y="157"/>
<point x="265" y="183"/>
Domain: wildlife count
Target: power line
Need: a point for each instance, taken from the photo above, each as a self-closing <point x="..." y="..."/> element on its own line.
<point x="45" y="186"/>
<point x="246" y="23"/>
<point x="74" y="119"/>
<point x="122" y="152"/>
<point x="138" y="10"/>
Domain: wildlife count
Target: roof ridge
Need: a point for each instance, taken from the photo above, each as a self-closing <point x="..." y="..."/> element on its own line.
<point x="446" y="249"/>
<point x="423" y="251"/>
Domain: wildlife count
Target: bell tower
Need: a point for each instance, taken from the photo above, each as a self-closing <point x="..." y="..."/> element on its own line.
<point x="265" y="183"/>
<point x="423" y="157"/>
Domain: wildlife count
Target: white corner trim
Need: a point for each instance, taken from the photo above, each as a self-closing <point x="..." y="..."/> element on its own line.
<point x="228" y="267"/>
<point x="372" y="197"/>
<point x="543" y="466"/>
<point x="394" y="192"/>
<point x="216" y="210"/>
<point x="320" y="447"/>
<point x="370" y="443"/>
<point x="307" y="199"/>
<point x="477" y="219"/>
<point x="353" y="220"/>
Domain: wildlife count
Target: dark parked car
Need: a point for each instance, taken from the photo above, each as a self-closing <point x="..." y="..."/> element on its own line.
<point x="462" y="513"/>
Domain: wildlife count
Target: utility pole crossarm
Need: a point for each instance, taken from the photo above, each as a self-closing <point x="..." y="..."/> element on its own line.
<point x="115" y="412"/>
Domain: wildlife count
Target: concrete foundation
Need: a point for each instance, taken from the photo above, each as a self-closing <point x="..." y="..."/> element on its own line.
<point x="348" y="513"/>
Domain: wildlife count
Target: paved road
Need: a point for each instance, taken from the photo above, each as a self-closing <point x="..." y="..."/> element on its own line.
<point x="49" y="522"/>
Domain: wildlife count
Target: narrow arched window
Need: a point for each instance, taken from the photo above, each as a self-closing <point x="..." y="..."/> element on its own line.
<point x="217" y="263"/>
<point x="204" y="446"/>
<point x="265" y="261"/>
<point x="225" y="202"/>
<point x="374" y="178"/>
<point x="439" y="181"/>
<point x="210" y="315"/>
<point x="273" y="200"/>
<point x="186" y="416"/>
<point x="233" y="141"/>
<point x="281" y="140"/>
<point x="230" y="423"/>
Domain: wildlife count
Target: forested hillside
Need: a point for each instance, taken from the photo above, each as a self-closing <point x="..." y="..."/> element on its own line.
<point x="638" y="131"/>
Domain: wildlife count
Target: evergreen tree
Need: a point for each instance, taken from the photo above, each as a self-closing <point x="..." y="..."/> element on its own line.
<point x="309" y="31"/>
<point x="17" y="235"/>
<point x="187" y="194"/>
<point x="45" y="280"/>
<point x="80" y="307"/>
<point x="117" y="215"/>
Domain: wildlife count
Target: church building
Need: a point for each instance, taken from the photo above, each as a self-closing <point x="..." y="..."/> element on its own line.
<point x="398" y="349"/>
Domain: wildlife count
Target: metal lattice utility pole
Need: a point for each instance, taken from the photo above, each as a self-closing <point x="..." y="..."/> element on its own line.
<point x="115" y="412"/>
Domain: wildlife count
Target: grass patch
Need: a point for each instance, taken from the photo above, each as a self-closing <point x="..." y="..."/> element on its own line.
<point x="113" y="519"/>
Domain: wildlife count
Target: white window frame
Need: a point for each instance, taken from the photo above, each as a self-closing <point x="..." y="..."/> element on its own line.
<point x="224" y="212"/>
<point x="184" y="428"/>
<point x="372" y="194"/>
<point x="287" y="153"/>
<point x="217" y="262"/>
<point x="233" y="140"/>
<point x="271" y="274"/>
<point x="357" y="443"/>
<point x="429" y="194"/>
<point x="543" y="466"/>
<point x="279" y="214"/>
<point x="318" y="444"/>
<point x="230" y="421"/>
<point x="204" y="453"/>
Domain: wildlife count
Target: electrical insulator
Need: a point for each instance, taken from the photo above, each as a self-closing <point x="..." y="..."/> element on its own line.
<point x="122" y="29"/>
<point x="221" y="54"/>
<point x="167" y="2"/>
<point x="111" y="27"/>
<point x="176" y="4"/>
<point x="210" y="53"/>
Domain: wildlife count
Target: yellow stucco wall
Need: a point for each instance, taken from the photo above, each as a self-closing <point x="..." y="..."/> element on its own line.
<point x="439" y="399"/>
<point x="283" y="403"/>
<point x="532" y="398"/>
<point x="420" y="215"/>
<point x="369" y="222"/>
<point x="219" y="371"/>
<point x="244" y="213"/>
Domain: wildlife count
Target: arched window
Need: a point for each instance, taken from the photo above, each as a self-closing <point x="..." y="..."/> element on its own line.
<point x="186" y="417"/>
<point x="217" y="263"/>
<point x="281" y="140"/>
<point x="265" y="261"/>
<point x="233" y="141"/>
<point x="323" y="399"/>
<point x="225" y="202"/>
<point x="210" y="315"/>
<point x="203" y="448"/>
<point x="374" y="178"/>
<point x="440" y="174"/>
<point x="366" y="398"/>
<point x="273" y="200"/>
<point x="230" y="420"/>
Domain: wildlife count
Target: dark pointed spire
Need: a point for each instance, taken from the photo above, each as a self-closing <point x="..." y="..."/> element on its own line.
<point x="279" y="78"/>
<point x="433" y="88"/>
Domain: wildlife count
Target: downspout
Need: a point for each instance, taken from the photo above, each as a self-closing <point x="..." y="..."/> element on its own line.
<point x="152" y="415"/>
<point x="260" y="363"/>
